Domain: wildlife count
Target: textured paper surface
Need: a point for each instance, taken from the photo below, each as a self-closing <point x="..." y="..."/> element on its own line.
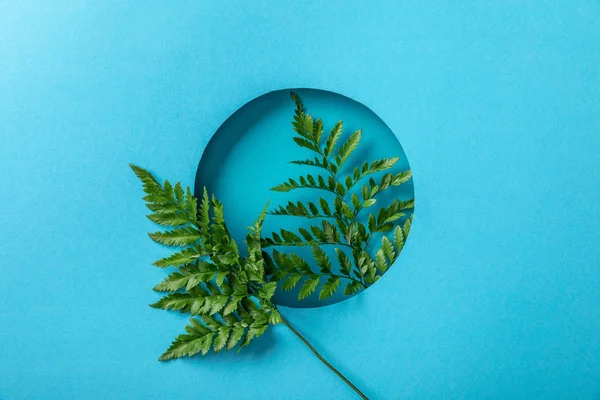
<point x="496" y="103"/>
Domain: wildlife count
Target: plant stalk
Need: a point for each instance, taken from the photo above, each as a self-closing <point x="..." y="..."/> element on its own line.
<point x="323" y="360"/>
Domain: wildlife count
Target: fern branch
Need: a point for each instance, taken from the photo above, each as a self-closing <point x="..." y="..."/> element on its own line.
<point x="269" y="243"/>
<point x="308" y="182"/>
<point x="366" y="170"/>
<point x="323" y="360"/>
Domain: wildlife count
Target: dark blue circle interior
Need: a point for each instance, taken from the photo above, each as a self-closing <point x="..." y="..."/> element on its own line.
<point x="251" y="153"/>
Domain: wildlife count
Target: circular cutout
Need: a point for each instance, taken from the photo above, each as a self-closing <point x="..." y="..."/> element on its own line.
<point x="251" y="153"/>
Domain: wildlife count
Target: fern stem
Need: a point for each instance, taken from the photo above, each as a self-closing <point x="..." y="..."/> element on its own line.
<point x="302" y="216"/>
<point x="323" y="360"/>
<point x="305" y="244"/>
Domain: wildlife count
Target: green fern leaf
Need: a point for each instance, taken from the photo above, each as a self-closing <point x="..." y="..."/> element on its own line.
<point x="333" y="137"/>
<point x="309" y="287"/>
<point x="299" y="106"/>
<point x="313" y="163"/>
<point x="267" y="290"/>
<point x="402" y="177"/>
<point x="352" y="288"/>
<point x="300" y="264"/>
<point x="298" y="210"/>
<point x="383" y="164"/>
<point x="221" y="283"/>
<point x="306" y="235"/>
<point x="215" y="303"/>
<point x="291" y="281"/>
<point x="307" y="182"/>
<point x="388" y="249"/>
<point x="197" y="339"/>
<point x="237" y="332"/>
<point x="168" y="203"/>
<point x="253" y="332"/>
<point x="179" y="192"/>
<point x="150" y="185"/>
<point x="188" y="276"/>
<point x="176" y="237"/>
<point x="284" y="261"/>
<point x="322" y="259"/>
<point x="275" y="318"/>
<point x="348" y="147"/>
<point x="204" y="217"/>
<point x="319" y="234"/>
<point x="307" y="144"/>
<point x="407" y="225"/>
<point x="331" y="232"/>
<point x="329" y="287"/>
<point x="168" y="219"/>
<point x="159" y="207"/>
<point x="325" y="207"/>
<point x="399" y="238"/>
<point x="380" y="261"/>
<point x="317" y="131"/>
<point x="181" y="301"/>
<point x="185" y="256"/>
<point x="221" y="338"/>
<point x="191" y="205"/>
<point x="369" y="203"/>
<point x="232" y="304"/>
<point x="344" y="261"/>
<point x="308" y="125"/>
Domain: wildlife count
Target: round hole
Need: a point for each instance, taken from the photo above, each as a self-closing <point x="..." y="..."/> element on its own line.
<point x="251" y="151"/>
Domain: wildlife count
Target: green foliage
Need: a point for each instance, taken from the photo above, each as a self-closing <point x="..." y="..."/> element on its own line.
<point x="228" y="297"/>
<point x="346" y="222"/>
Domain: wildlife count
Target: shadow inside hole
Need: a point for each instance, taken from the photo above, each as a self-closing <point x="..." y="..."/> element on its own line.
<point x="251" y="153"/>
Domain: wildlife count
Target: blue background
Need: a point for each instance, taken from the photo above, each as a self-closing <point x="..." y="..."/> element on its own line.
<point x="496" y="103"/>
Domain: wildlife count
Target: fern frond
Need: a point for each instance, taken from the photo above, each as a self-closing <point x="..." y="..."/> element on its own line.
<point x="168" y="218"/>
<point x="198" y="338"/>
<point x="307" y="182"/>
<point x="306" y="143"/>
<point x="177" y="237"/>
<point x="317" y="131"/>
<point x="333" y="137"/>
<point x="353" y="287"/>
<point x="388" y="249"/>
<point x="310" y="131"/>
<point x="401" y="178"/>
<point x="322" y="259"/>
<point x="190" y="204"/>
<point x="407" y="225"/>
<point x="150" y="184"/>
<point x="185" y="256"/>
<point x="309" y="286"/>
<point x="216" y="280"/>
<point x="380" y="261"/>
<point x="188" y="276"/>
<point x="171" y="205"/>
<point x="183" y="302"/>
<point x="310" y="210"/>
<point x="347" y="148"/>
<point x="316" y="162"/>
<point x="332" y="235"/>
<point x="204" y="218"/>
<point x="394" y="211"/>
<point x="344" y="261"/>
<point x="367" y="169"/>
<point x="291" y="263"/>
<point x="291" y="281"/>
<point x="327" y="234"/>
<point x="365" y="265"/>
<point x="329" y="287"/>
